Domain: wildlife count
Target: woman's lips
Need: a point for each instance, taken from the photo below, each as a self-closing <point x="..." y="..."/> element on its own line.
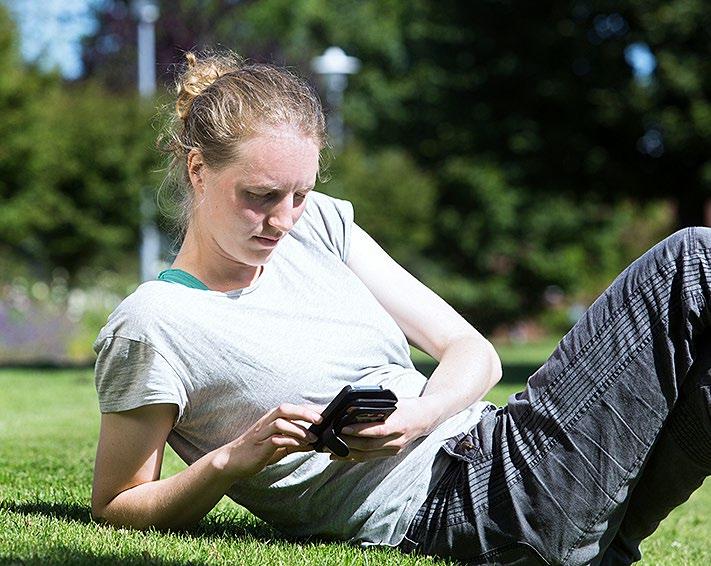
<point x="267" y="242"/>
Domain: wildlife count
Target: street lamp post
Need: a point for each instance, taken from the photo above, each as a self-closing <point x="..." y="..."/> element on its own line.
<point x="147" y="12"/>
<point x="335" y="66"/>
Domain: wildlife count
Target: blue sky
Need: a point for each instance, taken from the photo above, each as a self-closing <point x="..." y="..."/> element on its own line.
<point x="50" y="31"/>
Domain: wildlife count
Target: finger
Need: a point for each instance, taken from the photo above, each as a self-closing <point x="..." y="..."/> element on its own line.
<point x="284" y="451"/>
<point x="283" y="441"/>
<point x="297" y="412"/>
<point x="286" y="427"/>
<point x="370" y="430"/>
<point x="289" y="443"/>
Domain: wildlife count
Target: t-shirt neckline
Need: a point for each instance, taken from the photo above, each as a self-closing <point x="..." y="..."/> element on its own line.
<point x="182" y="277"/>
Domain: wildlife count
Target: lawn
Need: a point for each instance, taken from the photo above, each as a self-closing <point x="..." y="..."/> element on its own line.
<point x="48" y="428"/>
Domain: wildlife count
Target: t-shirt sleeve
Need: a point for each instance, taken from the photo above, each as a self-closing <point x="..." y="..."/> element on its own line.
<point x="130" y="373"/>
<point x="330" y="220"/>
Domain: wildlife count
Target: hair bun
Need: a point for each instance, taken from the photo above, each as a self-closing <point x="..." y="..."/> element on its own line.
<point x="199" y="72"/>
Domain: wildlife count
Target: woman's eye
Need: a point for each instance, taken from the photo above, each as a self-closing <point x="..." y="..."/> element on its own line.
<point x="259" y="196"/>
<point x="273" y="196"/>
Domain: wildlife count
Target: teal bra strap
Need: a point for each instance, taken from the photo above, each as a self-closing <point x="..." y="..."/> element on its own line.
<point x="183" y="278"/>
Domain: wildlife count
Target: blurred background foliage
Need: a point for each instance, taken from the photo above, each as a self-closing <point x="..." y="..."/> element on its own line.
<point x="507" y="153"/>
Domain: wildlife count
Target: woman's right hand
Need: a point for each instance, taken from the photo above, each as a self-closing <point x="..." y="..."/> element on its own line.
<point x="281" y="431"/>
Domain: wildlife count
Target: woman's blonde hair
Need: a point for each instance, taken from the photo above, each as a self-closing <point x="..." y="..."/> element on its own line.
<point x="222" y="100"/>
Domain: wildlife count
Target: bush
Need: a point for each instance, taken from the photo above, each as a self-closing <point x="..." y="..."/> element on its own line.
<point x="394" y="200"/>
<point x="501" y="246"/>
<point x="73" y="161"/>
<point x="51" y="323"/>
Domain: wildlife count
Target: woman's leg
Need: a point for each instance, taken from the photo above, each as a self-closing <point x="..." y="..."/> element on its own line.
<point x="550" y="474"/>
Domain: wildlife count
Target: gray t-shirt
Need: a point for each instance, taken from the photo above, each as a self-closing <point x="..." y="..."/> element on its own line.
<point x="306" y="327"/>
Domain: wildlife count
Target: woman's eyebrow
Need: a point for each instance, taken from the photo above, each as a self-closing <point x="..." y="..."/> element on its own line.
<point x="275" y="188"/>
<point x="262" y="187"/>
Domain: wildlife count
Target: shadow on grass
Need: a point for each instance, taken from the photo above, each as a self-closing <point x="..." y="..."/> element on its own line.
<point x="233" y="526"/>
<point x="67" y="511"/>
<point x="238" y="526"/>
<point x="61" y="555"/>
<point x="56" y="554"/>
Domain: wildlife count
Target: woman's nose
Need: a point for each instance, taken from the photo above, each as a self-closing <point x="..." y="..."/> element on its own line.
<point x="282" y="215"/>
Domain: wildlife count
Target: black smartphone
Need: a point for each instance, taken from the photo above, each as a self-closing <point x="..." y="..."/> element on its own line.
<point x="355" y="404"/>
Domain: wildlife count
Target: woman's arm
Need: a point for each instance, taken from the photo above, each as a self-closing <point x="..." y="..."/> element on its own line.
<point x="128" y="492"/>
<point x="468" y="364"/>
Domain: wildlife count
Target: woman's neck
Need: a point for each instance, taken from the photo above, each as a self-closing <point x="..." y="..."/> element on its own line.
<point x="215" y="271"/>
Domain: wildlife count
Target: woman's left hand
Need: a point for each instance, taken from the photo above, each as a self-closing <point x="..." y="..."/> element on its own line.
<point x="412" y="419"/>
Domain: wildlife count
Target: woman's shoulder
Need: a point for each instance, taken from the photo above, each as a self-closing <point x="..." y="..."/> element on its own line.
<point x="143" y="312"/>
<point x="151" y="296"/>
<point x="326" y="220"/>
<point x="322" y="206"/>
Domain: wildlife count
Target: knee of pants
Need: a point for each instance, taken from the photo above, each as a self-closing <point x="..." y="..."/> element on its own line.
<point x="698" y="237"/>
<point x="684" y="242"/>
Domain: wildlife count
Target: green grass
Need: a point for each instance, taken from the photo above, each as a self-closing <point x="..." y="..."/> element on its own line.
<point x="48" y="427"/>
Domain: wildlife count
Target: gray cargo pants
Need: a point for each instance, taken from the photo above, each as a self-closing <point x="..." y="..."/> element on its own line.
<point x="611" y="434"/>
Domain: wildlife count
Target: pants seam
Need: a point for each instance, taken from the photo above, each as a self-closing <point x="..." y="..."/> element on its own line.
<point x="502" y="488"/>
<point x="614" y="316"/>
<point x="605" y="508"/>
<point x="527" y="420"/>
<point x="612" y="348"/>
<point x="553" y="441"/>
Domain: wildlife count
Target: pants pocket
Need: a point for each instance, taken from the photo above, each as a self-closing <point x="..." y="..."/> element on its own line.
<point x="466" y="446"/>
<point x="461" y="447"/>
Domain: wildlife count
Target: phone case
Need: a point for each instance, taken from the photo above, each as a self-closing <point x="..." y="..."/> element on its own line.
<point x="363" y="401"/>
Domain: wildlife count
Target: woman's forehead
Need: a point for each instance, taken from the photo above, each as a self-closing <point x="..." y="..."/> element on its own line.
<point x="273" y="156"/>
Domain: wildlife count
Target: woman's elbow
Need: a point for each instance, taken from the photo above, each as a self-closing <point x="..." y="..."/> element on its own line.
<point x="98" y="508"/>
<point x="496" y="372"/>
<point x="101" y="513"/>
<point x="111" y="513"/>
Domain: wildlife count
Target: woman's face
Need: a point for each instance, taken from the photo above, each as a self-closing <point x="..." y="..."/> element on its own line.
<point x="245" y="209"/>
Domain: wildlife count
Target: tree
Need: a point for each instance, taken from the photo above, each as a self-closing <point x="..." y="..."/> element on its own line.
<point x="20" y="92"/>
<point x="676" y="105"/>
<point x="72" y="162"/>
<point x="526" y="117"/>
<point x="109" y="55"/>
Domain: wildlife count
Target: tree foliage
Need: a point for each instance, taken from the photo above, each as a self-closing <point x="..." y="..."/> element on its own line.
<point x="72" y="163"/>
<point x="529" y="120"/>
<point x="497" y="148"/>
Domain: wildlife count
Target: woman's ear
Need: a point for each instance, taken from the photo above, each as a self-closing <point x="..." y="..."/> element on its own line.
<point x="196" y="170"/>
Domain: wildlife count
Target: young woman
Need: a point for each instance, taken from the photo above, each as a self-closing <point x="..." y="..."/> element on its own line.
<point x="277" y="299"/>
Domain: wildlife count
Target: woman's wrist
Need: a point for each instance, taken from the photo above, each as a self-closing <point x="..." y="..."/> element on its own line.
<point x="433" y="410"/>
<point x="228" y="462"/>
